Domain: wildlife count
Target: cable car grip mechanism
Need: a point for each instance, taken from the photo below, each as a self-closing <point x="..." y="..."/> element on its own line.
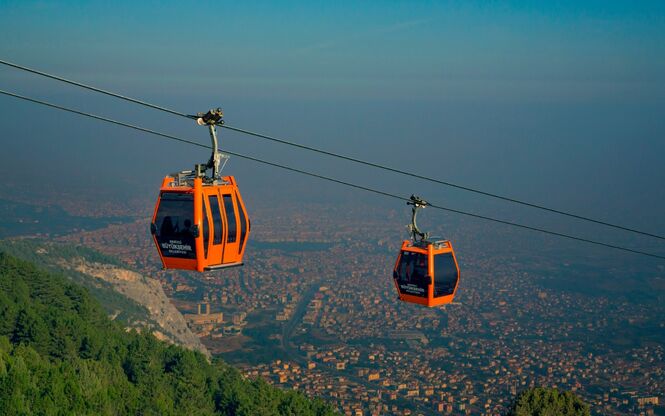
<point x="416" y="204"/>
<point x="212" y="119"/>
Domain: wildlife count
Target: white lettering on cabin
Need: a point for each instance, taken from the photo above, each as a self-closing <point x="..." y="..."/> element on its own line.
<point x="412" y="288"/>
<point x="176" y="246"/>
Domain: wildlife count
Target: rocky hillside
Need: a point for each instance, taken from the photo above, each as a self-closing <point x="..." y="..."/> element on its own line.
<point x="135" y="300"/>
<point x="165" y="321"/>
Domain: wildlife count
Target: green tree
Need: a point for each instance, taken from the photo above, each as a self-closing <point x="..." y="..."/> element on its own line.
<point x="29" y="328"/>
<point x="542" y="401"/>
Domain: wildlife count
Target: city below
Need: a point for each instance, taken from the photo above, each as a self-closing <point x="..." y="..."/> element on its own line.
<point x="315" y="309"/>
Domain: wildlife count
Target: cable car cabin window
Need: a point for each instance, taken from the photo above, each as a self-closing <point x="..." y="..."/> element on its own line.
<point x="206" y="227"/>
<point x="173" y="223"/>
<point x="243" y="228"/>
<point x="445" y="274"/>
<point x="230" y="218"/>
<point x="411" y="274"/>
<point x="217" y="227"/>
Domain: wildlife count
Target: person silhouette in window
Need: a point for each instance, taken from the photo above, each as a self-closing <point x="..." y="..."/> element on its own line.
<point x="187" y="229"/>
<point x="167" y="229"/>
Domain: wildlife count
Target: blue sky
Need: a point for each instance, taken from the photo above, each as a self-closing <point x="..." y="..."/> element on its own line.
<point x="555" y="102"/>
<point x="428" y="50"/>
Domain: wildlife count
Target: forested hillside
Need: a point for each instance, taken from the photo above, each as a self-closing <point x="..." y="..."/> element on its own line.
<point x="134" y="300"/>
<point x="54" y="256"/>
<point x="59" y="353"/>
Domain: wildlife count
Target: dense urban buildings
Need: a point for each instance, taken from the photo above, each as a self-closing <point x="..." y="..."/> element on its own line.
<point x="314" y="309"/>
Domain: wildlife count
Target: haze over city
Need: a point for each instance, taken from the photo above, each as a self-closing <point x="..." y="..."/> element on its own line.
<point x="556" y="103"/>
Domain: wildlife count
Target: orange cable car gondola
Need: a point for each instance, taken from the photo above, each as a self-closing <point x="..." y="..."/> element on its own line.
<point x="200" y="223"/>
<point x="426" y="271"/>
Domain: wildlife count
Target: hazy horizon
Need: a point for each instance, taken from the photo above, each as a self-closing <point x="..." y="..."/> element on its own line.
<point x="560" y="104"/>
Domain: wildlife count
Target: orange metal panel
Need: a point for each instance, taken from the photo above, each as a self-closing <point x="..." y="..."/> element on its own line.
<point x="431" y="252"/>
<point x="220" y="254"/>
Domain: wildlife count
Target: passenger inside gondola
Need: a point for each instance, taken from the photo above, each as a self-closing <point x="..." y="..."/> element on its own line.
<point x="420" y="269"/>
<point x="167" y="230"/>
<point x="187" y="229"/>
<point x="411" y="273"/>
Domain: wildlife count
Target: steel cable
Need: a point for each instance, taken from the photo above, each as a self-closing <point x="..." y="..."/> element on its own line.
<point x="327" y="178"/>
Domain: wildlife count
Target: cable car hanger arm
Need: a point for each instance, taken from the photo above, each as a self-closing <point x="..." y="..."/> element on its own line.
<point x="212" y="119"/>
<point x="416" y="204"/>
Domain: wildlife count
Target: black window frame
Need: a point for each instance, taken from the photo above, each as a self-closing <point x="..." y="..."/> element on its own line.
<point x="217" y="220"/>
<point x="180" y="241"/>
<point x="231" y="220"/>
<point x="244" y="225"/>
<point x="446" y="274"/>
<point x="408" y="281"/>
<point x="206" y="227"/>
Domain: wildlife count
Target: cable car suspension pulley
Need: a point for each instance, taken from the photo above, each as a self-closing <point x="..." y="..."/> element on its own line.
<point x="212" y="119"/>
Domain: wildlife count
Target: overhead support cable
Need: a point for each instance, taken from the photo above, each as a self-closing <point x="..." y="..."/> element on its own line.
<point x="95" y="89"/>
<point x="344" y="157"/>
<point x="327" y="178"/>
<point x="441" y="182"/>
